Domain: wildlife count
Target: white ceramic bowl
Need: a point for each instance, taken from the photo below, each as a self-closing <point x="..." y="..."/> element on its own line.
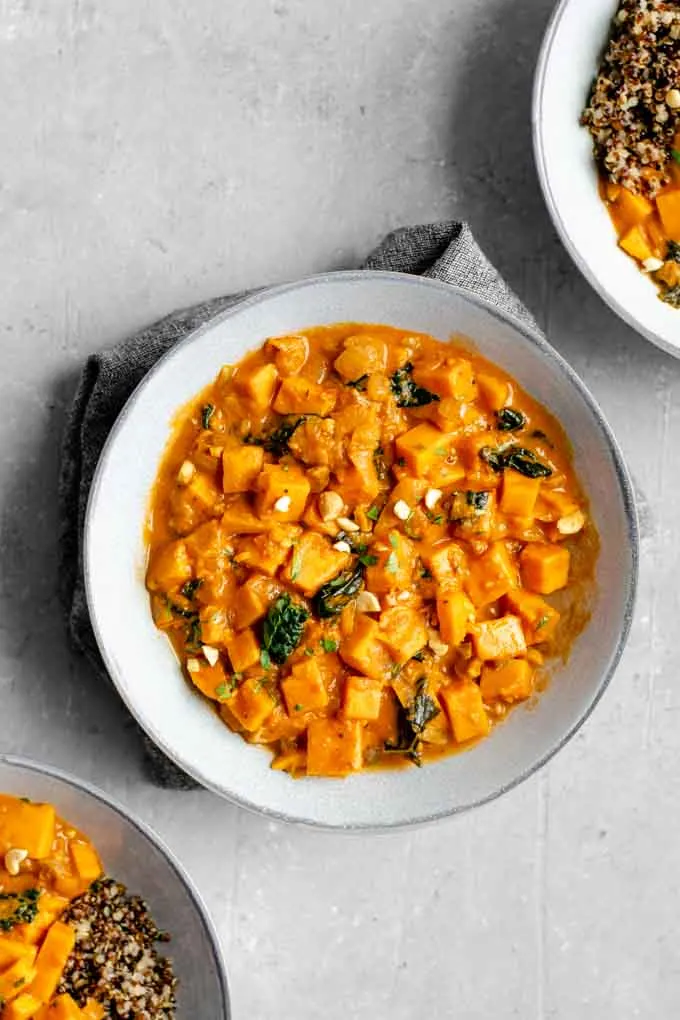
<point x="567" y="66"/>
<point x="142" y="662"/>
<point x="133" y="854"/>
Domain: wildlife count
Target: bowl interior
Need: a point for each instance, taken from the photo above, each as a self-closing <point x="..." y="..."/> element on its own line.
<point x="140" y="658"/>
<point x="132" y="856"/>
<point x="568" y="64"/>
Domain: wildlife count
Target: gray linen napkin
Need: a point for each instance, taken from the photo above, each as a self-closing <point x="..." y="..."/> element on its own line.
<point x="444" y="251"/>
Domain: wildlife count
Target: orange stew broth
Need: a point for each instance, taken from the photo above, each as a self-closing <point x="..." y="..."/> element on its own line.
<point x="46" y="863"/>
<point x="465" y="575"/>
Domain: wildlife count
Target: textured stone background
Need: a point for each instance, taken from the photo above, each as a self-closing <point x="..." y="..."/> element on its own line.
<point x="154" y="154"/>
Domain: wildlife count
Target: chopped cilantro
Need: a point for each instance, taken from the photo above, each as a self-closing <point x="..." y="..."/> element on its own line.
<point x="328" y="644"/>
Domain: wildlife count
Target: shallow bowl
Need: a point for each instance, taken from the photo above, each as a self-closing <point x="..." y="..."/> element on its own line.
<point x="133" y="854"/>
<point x="568" y="64"/>
<point x="142" y="662"/>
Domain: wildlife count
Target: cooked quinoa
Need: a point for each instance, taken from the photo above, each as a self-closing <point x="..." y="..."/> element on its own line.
<point x="634" y="109"/>
<point x="115" y="960"/>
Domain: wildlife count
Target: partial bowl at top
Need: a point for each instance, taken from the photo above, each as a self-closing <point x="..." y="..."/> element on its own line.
<point x="132" y="854"/>
<point x="574" y="42"/>
<point x="141" y="660"/>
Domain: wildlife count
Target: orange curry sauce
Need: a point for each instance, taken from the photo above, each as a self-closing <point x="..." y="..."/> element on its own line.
<point x="44" y="864"/>
<point x="363" y="545"/>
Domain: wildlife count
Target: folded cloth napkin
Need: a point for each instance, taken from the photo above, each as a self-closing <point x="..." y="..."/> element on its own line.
<point x="443" y="251"/>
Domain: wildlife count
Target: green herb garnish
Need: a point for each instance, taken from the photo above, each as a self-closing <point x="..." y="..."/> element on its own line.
<point x="675" y="153"/>
<point x="516" y="457"/>
<point x="282" y="630"/>
<point x="373" y="513"/>
<point x="226" y="690"/>
<point x="392" y="563"/>
<point x="206" y="414"/>
<point x="368" y="560"/>
<point x="18" y="908"/>
<point x="407" y="392"/>
<point x="328" y="644"/>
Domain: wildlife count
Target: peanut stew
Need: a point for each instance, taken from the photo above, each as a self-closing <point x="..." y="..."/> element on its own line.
<point x="364" y="544"/>
<point x="48" y="871"/>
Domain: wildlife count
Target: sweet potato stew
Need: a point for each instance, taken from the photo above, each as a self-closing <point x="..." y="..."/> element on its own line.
<point x="365" y="545"/>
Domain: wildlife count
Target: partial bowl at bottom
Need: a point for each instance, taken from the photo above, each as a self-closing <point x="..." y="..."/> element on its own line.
<point x="134" y="855"/>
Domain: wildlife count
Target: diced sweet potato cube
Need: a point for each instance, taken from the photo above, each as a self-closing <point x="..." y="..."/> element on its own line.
<point x="258" y="384"/>
<point x="298" y="395"/>
<point x="358" y="487"/>
<point x="253" y="600"/>
<point x="268" y="551"/>
<point x="447" y="563"/>
<point x="495" y="392"/>
<point x="544" y="567"/>
<point x="304" y="690"/>
<point x="24" y="1007"/>
<point x="240" y="467"/>
<point x="93" y="1010"/>
<point x="238" y="518"/>
<point x="403" y="630"/>
<point x="334" y="747"/>
<point x="363" y="698"/>
<point x="170" y="567"/>
<point x="12" y="950"/>
<point x="203" y="491"/>
<point x="50" y="906"/>
<point x="632" y="209"/>
<point x="394" y="569"/>
<point x="424" y="449"/>
<point x="252" y="704"/>
<point x="63" y="1008"/>
<point x="86" y="861"/>
<point x="363" y="649"/>
<point x="455" y="377"/>
<point x="363" y="355"/>
<point x="668" y="204"/>
<point x="635" y="242"/>
<point x="206" y="678"/>
<point x="313" y="519"/>
<point x="281" y="493"/>
<point x="456" y="616"/>
<point x="538" y="616"/>
<point x="214" y="628"/>
<point x="463" y="704"/>
<point x="17" y="978"/>
<point x="313" y="441"/>
<point x="27" y="826"/>
<point x="51" y="960"/>
<point x="519" y="494"/>
<point x="491" y="575"/>
<point x="313" y="563"/>
<point x="510" y="681"/>
<point x="499" y="639"/>
<point x="243" y="650"/>
<point x="291" y="353"/>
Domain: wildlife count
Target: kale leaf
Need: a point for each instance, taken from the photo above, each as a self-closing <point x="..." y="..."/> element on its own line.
<point x="411" y="723"/>
<point x="671" y="296"/>
<point x="333" y="596"/>
<point x="673" y="251"/>
<point x="517" y="457"/>
<point x="407" y="392"/>
<point x="282" y="628"/>
<point x="477" y="500"/>
<point x="277" y="441"/>
<point x="510" y="420"/>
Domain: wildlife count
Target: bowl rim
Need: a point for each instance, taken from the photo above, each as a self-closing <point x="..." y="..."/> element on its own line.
<point x="530" y="332"/>
<point x="540" y="161"/>
<point x="54" y="772"/>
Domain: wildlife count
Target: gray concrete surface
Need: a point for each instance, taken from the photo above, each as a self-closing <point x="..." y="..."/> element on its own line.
<point x="154" y="154"/>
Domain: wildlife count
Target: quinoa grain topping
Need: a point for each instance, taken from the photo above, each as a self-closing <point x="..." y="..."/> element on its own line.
<point x="115" y="959"/>
<point x="634" y="108"/>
